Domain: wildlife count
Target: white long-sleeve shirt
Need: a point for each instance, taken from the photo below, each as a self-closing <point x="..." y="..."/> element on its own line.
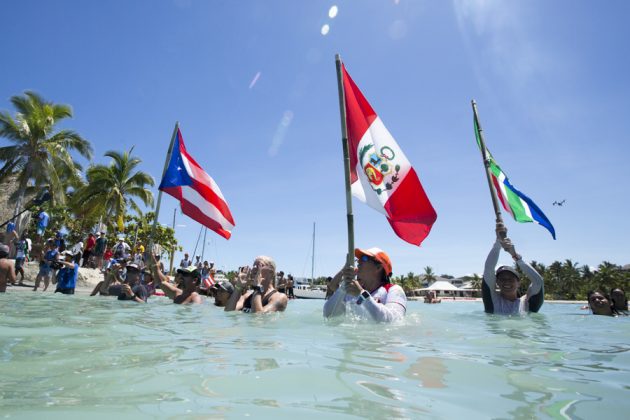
<point x="384" y="305"/>
<point x="495" y="303"/>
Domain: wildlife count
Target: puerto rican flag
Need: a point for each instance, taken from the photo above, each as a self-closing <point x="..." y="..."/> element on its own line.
<point x="199" y="195"/>
<point x="380" y="174"/>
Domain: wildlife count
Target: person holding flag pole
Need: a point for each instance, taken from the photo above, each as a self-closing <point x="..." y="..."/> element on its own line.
<point x="506" y="300"/>
<point x="377" y="173"/>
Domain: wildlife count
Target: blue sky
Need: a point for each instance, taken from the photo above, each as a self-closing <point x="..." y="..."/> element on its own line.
<point x="253" y="86"/>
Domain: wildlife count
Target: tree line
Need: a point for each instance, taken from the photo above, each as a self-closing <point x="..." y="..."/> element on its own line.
<point x="40" y="157"/>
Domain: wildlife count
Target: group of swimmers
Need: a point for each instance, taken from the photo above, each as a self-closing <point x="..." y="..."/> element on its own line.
<point x="365" y="291"/>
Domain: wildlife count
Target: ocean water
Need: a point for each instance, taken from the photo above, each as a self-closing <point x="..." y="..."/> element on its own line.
<point x="78" y="357"/>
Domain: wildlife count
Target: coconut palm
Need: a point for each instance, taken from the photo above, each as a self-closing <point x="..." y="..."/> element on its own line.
<point x="111" y="189"/>
<point x="429" y="275"/>
<point x="39" y="152"/>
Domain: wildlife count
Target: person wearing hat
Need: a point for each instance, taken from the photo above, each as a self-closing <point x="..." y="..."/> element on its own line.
<point x="506" y="300"/>
<point x="46" y="270"/>
<point x="7" y="270"/>
<point x="222" y="292"/>
<point x="67" y="274"/>
<point x="132" y="289"/>
<point x="262" y="297"/>
<point x="367" y="291"/>
<point x="187" y="278"/>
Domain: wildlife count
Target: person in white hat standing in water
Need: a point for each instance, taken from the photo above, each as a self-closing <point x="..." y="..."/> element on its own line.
<point x="367" y="291"/>
<point x="506" y="300"/>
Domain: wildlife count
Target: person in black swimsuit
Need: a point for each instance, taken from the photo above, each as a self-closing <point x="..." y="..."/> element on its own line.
<point x="187" y="281"/>
<point x="261" y="296"/>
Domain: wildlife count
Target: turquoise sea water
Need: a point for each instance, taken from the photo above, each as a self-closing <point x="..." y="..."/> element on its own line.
<point x="77" y="357"/>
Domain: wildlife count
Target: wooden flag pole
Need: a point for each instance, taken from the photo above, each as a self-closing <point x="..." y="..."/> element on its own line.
<point x="346" y="162"/>
<point x="486" y="163"/>
<point x="159" y="199"/>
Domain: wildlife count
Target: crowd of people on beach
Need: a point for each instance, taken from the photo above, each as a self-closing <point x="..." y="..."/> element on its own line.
<point x="136" y="274"/>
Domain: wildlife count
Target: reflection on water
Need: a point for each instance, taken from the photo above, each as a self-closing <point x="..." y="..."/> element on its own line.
<point x="76" y="356"/>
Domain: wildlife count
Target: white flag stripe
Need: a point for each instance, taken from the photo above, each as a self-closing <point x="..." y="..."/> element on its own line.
<point x="378" y="135"/>
<point x="210" y="211"/>
<point x="201" y="176"/>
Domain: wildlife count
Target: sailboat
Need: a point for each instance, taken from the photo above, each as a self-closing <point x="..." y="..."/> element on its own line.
<point x="310" y="290"/>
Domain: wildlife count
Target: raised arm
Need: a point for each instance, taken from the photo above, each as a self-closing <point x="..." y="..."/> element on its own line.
<point x="535" y="292"/>
<point x="160" y="279"/>
<point x="489" y="277"/>
<point x="235" y="302"/>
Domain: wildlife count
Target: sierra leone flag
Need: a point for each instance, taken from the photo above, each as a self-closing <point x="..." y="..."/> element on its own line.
<point x="520" y="206"/>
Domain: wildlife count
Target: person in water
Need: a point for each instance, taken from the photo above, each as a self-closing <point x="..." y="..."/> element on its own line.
<point x="261" y="297"/>
<point x="222" y="292"/>
<point x="187" y="281"/>
<point x="68" y="274"/>
<point x="506" y="300"/>
<point x="619" y="301"/>
<point x="132" y="289"/>
<point x="367" y="291"/>
<point x="600" y="303"/>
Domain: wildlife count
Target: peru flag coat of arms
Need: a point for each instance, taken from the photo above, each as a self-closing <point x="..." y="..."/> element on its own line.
<point x="380" y="174"/>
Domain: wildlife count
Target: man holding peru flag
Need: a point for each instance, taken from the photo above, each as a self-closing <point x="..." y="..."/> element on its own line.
<point x="380" y="174"/>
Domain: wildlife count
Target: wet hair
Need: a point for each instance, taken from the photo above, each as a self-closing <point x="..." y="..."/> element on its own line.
<point x="625" y="303"/>
<point x="385" y="278"/>
<point x="3" y="253"/>
<point x="267" y="261"/>
<point x="592" y="292"/>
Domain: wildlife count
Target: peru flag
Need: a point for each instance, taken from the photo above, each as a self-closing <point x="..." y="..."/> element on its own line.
<point x="380" y="174"/>
<point x="199" y="195"/>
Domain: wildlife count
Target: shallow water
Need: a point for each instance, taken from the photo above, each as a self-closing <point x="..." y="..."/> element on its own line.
<point x="76" y="356"/>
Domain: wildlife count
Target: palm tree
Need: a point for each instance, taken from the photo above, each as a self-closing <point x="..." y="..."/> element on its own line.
<point x="40" y="153"/>
<point x="429" y="274"/>
<point x="111" y="189"/>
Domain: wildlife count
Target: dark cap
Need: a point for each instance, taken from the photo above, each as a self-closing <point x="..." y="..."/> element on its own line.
<point x="226" y="286"/>
<point x="507" y="268"/>
<point x="189" y="271"/>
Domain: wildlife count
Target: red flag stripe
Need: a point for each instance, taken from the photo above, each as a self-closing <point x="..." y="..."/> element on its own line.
<point x="359" y="117"/>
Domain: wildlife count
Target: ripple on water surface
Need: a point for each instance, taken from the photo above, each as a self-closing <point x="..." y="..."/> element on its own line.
<point x="73" y="356"/>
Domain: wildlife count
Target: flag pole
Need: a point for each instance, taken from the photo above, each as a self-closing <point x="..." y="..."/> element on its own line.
<point x="159" y="199"/>
<point x="486" y="163"/>
<point x="346" y="162"/>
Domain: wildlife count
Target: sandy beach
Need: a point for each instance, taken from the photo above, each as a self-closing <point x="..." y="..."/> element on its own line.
<point x="88" y="279"/>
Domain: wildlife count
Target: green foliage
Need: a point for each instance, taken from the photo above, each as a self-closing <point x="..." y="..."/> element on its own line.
<point x="143" y="225"/>
<point x="112" y="189"/>
<point x="39" y="153"/>
<point x="566" y="280"/>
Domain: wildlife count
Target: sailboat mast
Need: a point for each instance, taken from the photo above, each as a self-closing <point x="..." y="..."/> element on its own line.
<point x="313" y="257"/>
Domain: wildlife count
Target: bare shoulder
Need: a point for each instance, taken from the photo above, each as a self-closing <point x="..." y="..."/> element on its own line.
<point x="280" y="300"/>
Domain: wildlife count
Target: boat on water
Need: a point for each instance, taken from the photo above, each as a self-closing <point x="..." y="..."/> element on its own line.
<point x="307" y="291"/>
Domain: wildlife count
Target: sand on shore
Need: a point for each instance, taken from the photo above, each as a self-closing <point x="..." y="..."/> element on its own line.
<point x="88" y="278"/>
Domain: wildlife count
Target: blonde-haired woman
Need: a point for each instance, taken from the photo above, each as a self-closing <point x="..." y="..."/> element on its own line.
<point x="254" y="291"/>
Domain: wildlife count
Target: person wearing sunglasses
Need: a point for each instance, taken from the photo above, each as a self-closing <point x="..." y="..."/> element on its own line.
<point x="132" y="289"/>
<point x="367" y="291"/>
<point x="186" y="282"/>
<point x="506" y="301"/>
